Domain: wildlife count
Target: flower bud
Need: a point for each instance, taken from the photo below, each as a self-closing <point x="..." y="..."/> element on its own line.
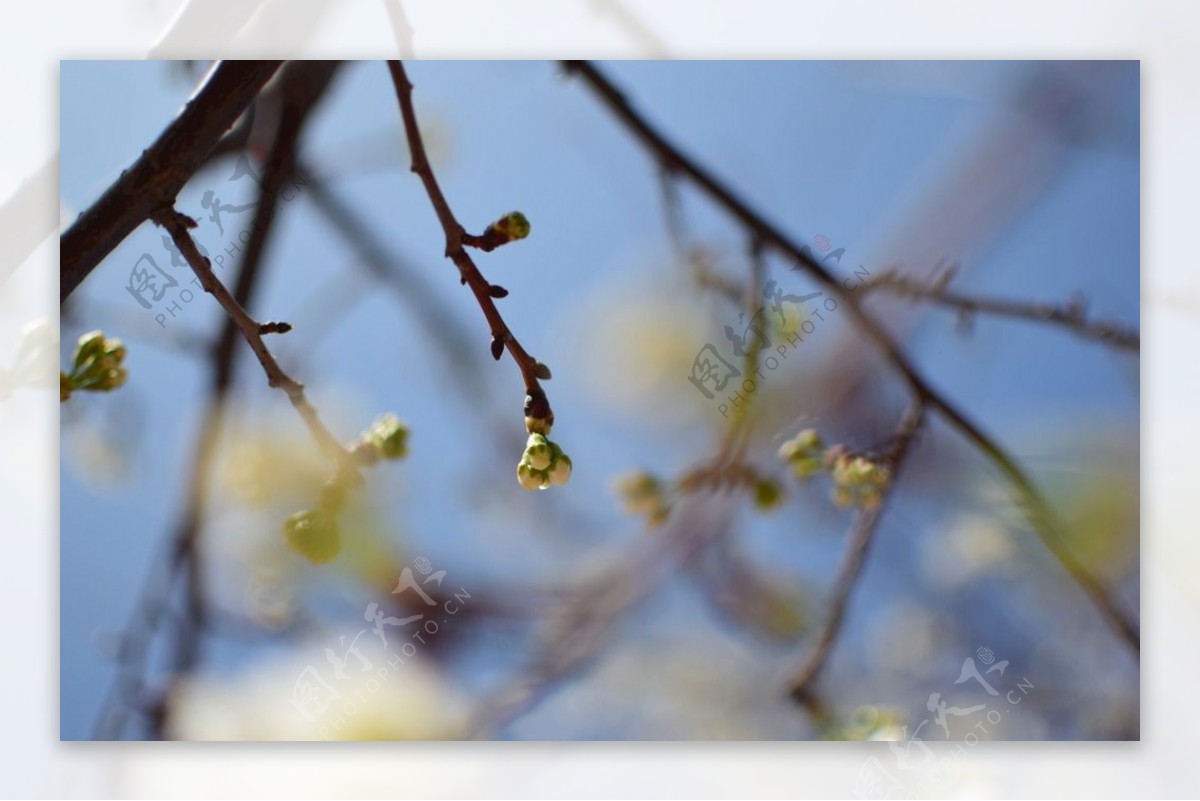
<point x="803" y="453"/>
<point x="314" y="534"/>
<point x="88" y="347"/>
<point x="560" y="473"/>
<point x="389" y="436"/>
<point x="767" y="494"/>
<point x="510" y="227"/>
<point x="543" y="464"/>
<point x="530" y="478"/>
<point x="859" y="481"/>
<point x="538" y="452"/>
<point x="640" y="492"/>
<point x="98" y="363"/>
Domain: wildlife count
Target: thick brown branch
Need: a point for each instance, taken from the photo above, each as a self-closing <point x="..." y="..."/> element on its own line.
<point x="858" y="542"/>
<point x="1071" y="316"/>
<point x="1036" y="509"/>
<point x="154" y="180"/>
<point x="456" y="239"/>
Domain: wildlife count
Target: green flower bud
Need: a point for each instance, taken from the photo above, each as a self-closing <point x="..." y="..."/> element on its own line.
<point x="98" y="363"/>
<point x="530" y="478"/>
<point x="803" y="453"/>
<point x="88" y="347"/>
<point x="767" y="494"/>
<point x="640" y="492"/>
<point x="512" y="226"/>
<point x="314" y="534"/>
<point x="805" y="468"/>
<point x="543" y="464"/>
<point x="538" y="452"/>
<point x="560" y="473"/>
<point x="857" y="480"/>
<point x="389" y="436"/>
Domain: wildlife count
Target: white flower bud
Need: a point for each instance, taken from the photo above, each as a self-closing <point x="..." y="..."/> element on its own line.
<point x="538" y="452"/>
<point x="561" y="472"/>
<point x="528" y="477"/>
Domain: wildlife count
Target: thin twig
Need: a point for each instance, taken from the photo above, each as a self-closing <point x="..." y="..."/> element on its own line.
<point x="1072" y="315"/>
<point x="1029" y="498"/>
<point x="694" y="258"/>
<point x="456" y="240"/>
<point x="162" y="169"/>
<point x="178" y="225"/>
<point x="858" y="542"/>
<point x="580" y="623"/>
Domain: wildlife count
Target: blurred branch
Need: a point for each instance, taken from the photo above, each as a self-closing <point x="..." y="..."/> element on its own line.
<point x="1029" y="498"/>
<point x="1072" y="315"/>
<point x="578" y="625"/>
<point x="537" y="405"/>
<point x="425" y="304"/>
<point x="304" y="83"/>
<point x="160" y="172"/>
<point x="858" y="542"/>
<point x="695" y="257"/>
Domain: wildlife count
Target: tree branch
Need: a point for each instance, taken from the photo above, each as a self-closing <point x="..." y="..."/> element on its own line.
<point x="178" y="225"/>
<point x="537" y="405"/>
<point x="1072" y="316"/>
<point x="160" y="172"/>
<point x="1029" y="498"/>
<point x="858" y="543"/>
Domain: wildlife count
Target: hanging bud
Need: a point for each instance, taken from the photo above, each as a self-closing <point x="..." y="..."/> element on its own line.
<point x="537" y="451"/>
<point x="529" y="478"/>
<point x="543" y="464"/>
<point x="560" y="473"/>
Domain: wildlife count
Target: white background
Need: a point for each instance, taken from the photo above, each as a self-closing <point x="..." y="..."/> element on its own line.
<point x="1163" y="35"/>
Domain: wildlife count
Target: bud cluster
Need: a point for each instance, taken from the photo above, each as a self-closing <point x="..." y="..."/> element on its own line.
<point x="97" y="366"/>
<point x="642" y="493"/>
<point x="543" y="464"/>
<point x="857" y="480"/>
<point x="314" y="533"/>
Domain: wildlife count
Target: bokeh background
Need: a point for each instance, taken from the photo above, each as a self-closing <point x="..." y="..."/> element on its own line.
<point x="1025" y="174"/>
